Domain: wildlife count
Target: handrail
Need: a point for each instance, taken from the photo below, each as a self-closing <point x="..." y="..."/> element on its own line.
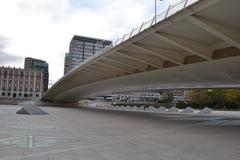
<point x="172" y="9"/>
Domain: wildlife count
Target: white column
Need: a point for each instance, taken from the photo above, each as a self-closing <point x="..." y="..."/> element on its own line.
<point x="1" y="83"/>
<point x="18" y="88"/>
<point x="34" y="83"/>
<point x="23" y="89"/>
<point x="13" y="81"/>
<point x="7" y="82"/>
<point x="29" y="83"/>
<point x="41" y="90"/>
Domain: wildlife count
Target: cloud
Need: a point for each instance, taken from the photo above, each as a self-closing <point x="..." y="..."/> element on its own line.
<point x="56" y="10"/>
<point x="6" y="58"/>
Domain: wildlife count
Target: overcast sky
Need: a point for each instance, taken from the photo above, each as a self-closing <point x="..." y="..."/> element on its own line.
<point x="43" y="28"/>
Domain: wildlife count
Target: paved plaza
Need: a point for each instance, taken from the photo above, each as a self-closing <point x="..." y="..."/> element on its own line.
<point x="100" y="134"/>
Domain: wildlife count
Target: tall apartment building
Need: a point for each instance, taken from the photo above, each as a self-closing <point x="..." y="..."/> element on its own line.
<point x="37" y="64"/>
<point x="82" y="48"/>
<point x="21" y="83"/>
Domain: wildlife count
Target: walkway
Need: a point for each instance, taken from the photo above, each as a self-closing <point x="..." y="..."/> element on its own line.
<point x="98" y="134"/>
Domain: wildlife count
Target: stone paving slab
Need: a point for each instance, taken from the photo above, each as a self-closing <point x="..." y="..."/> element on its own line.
<point x="100" y="134"/>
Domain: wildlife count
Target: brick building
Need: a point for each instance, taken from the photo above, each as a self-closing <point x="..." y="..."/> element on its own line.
<point x="21" y="83"/>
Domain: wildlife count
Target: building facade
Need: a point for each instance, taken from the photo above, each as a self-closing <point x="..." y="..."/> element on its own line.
<point x="21" y="83"/>
<point x="181" y="95"/>
<point x="178" y="95"/>
<point x="37" y="64"/>
<point x="82" y="48"/>
<point x="137" y="96"/>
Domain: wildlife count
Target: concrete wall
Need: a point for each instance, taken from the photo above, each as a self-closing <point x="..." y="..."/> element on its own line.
<point x="11" y="101"/>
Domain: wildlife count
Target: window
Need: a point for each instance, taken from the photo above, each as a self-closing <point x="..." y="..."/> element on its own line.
<point x="88" y="44"/>
<point x="5" y="74"/>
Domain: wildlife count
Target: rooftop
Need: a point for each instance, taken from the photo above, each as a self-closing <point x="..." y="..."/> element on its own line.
<point x="91" y="39"/>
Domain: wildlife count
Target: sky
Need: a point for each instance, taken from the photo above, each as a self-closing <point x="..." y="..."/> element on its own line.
<point x="43" y="29"/>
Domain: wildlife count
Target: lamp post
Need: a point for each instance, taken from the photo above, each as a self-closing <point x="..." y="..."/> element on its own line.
<point x="155" y="15"/>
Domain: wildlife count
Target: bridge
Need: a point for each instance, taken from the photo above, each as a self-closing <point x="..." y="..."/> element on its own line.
<point x="193" y="44"/>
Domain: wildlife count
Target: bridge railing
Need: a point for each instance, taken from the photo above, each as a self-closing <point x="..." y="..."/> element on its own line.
<point x="172" y="9"/>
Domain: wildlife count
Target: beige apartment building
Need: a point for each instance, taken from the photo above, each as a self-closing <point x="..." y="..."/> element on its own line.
<point x="21" y="83"/>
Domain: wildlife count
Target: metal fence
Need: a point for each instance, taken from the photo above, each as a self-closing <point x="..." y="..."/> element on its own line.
<point x="172" y="9"/>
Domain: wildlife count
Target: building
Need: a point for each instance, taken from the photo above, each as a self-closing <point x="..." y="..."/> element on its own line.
<point x="82" y="48"/>
<point x="21" y="83"/>
<point x="138" y="96"/>
<point x="37" y="64"/>
<point x="181" y="95"/>
<point x="178" y="95"/>
<point x="66" y="63"/>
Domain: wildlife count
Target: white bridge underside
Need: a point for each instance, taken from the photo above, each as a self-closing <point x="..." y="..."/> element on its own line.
<point x="196" y="47"/>
<point x="222" y="73"/>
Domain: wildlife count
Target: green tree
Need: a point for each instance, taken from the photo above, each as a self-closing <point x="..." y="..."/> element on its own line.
<point x="168" y="97"/>
<point x="215" y="98"/>
<point x="232" y="97"/>
<point x="181" y="104"/>
<point x="197" y="95"/>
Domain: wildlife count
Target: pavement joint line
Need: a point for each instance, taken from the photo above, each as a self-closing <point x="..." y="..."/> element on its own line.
<point x="96" y="145"/>
<point x="155" y="133"/>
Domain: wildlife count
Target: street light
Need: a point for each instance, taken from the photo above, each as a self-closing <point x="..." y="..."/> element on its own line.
<point x="156" y="10"/>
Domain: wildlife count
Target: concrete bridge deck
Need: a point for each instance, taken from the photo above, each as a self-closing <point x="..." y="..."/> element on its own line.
<point x="195" y="43"/>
